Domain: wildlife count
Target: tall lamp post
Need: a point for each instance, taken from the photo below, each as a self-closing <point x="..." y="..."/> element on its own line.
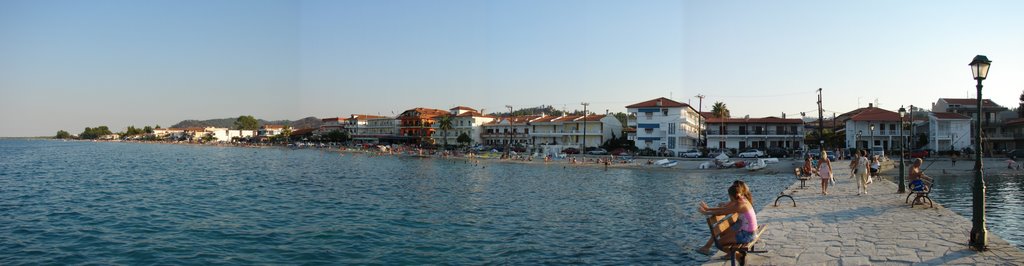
<point x="871" y="147"/>
<point x="902" y="187"/>
<point x="857" y="145"/>
<point x="979" y="235"/>
<point x="584" y="150"/>
<point x="508" y="146"/>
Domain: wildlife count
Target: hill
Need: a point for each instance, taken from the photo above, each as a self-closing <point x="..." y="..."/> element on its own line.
<point x="308" y="122"/>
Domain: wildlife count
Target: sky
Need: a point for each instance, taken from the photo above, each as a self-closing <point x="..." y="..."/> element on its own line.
<point x="67" y="65"/>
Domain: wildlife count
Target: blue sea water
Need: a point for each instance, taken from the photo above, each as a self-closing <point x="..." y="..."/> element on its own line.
<point x="130" y="203"/>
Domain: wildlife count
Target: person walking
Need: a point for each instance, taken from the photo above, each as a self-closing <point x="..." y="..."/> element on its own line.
<point x="862" y="173"/>
<point x="825" y="172"/>
<point x="853" y="163"/>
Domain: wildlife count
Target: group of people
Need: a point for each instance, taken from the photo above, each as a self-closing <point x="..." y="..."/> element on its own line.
<point x="862" y="167"/>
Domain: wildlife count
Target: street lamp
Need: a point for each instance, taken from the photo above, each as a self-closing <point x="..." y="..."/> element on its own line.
<point x="871" y="146"/>
<point x="857" y="144"/>
<point x="508" y="145"/>
<point x="583" y="151"/>
<point x="902" y="187"/>
<point x="979" y="238"/>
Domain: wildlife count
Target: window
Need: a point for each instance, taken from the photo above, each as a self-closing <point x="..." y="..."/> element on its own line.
<point x="743" y="131"/>
<point x="648" y="143"/>
<point x="671" y="129"/>
<point x="664" y="112"/>
<point x="649" y="130"/>
<point x="671" y="143"/>
<point x="649" y="115"/>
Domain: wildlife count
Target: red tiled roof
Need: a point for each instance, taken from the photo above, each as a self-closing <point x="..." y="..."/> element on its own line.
<point x="707" y="115"/>
<point x="273" y="127"/>
<point x="546" y="118"/>
<point x="462" y="108"/>
<point x="427" y="112"/>
<point x="303" y="131"/>
<point x="944" y="115"/>
<point x="566" y="118"/>
<point x="1015" y="121"/>
<point x="629" y="129"/>
<point x="592" y="118"/>
<point x="984" y="102"/>
<point x="339" y="119"/>
<point x="764" y="120"/>
<point x="876" y="114"/>
<point x="664" y="102"/>
<point x="360" y="117"/>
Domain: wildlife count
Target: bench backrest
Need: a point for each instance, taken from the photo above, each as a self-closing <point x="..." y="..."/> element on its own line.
<point x="721" y="223"/>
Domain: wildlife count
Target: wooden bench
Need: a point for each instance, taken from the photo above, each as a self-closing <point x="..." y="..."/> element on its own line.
<point x="803" y="177"/>
<point x="921" y="194"/>
<point x="718" y="224"/>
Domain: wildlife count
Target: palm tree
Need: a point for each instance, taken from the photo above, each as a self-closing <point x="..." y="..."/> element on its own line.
<point x="444" y="123"/>
<point x="721" y="112"/>
<point x="287" y="133"/>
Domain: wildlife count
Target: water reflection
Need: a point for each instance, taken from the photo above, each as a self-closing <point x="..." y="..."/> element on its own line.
<point x="1003" y="202"/>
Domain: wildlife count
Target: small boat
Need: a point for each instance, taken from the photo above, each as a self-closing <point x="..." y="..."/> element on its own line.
<point x="666" y="163"/>
<point x="758" y="165"/>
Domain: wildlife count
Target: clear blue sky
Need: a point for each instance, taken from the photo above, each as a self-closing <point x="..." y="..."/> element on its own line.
<point x="72" y="64"/>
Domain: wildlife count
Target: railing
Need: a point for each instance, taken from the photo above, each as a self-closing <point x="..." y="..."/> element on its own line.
<point x="753" y="133"/>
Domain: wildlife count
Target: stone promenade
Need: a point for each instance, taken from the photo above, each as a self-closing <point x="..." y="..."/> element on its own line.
<point x="843" y="228"/>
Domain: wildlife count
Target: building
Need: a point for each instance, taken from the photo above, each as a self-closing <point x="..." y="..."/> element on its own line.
<point x="270" y="130"/>
<point x="755" y="133"/>
<point x="378" y="130"/>
<point x="552" y="134"/>
<point x="173" y="133"/>
<point x="876" y="127"/>
<point x="331" y="124"/>
<point x="465" y="120"/>
<point x="994" y="134"/>
<point x="665" y="125"/>
<point x="417" y="124"/>
<point x="513" y="130"/>
<point x="948" y="131"/>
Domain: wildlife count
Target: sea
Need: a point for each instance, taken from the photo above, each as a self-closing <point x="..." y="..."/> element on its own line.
<point x="82" y="202"/>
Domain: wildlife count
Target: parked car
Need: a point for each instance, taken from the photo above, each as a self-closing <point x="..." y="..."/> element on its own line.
<point x="751" y="153"/>
<point x="571" y="151"/>
<point x="1014" y="154"/>
<point x="597" y="151"/>
<point x="877" y="151"/>
<point x="919" y="154"/>
<point x="692" y="153"/>
<point x="777" y="153"/>
<point x="812" y="154"/>
<point x="831" y="155"/>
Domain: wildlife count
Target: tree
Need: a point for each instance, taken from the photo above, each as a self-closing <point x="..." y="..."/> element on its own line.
<point x="147" y="130"/>
<point x="1020" y="107"/>
<point x="157" y="127"/>
<point x="132" y="131"/>
<point x="622" y="117"/>
<point x="720" y="111"/>
<point x="444" y="123"/>
<point x="464" y="139"/>
<point x="247" y="122"/>
<point x="338" y="136"/>
<point x="61" y="134"/>
<point x="95" y="133"/>
<point x="286" y="133"/>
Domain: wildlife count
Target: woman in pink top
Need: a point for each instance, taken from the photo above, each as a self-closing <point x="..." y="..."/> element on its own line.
<point x="743" y="230"/>
<point x="825" y="171"/>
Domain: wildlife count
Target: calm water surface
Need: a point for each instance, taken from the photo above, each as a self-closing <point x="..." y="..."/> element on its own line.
<point x="124" y="203"/>
<point x="1004" y="200"/>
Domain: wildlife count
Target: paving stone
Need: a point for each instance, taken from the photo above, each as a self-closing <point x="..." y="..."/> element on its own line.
<point x="877" y="229"/>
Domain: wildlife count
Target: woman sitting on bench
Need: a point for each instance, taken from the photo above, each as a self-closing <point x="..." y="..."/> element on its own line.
<point x="706" y="249"/>
<point x="743" y="230"/>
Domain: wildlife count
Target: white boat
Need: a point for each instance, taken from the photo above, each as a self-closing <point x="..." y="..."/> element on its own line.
<point x="758" y="165"/>
<point x="666" y="163"/>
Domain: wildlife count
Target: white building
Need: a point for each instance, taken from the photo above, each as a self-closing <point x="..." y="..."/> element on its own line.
<point x="553" y="134"/>
<point x="665" y="125"/>
<point x="505" y="129"/>
<point x="376" y="129"/>
<point x="948" y="131"/>
<point x="331" y="124"/>
<point x="465" y="120"/>
<point x="270" y="130"/>
<point x="755" y="133"/>
<point x="875" y="127"/>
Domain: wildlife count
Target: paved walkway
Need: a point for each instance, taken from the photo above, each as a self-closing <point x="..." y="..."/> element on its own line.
<point x="845" y="229"/>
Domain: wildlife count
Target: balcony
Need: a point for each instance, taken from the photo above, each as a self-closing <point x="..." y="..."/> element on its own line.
<point x="504" y="135"/>
<point x="753" y="133"/>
